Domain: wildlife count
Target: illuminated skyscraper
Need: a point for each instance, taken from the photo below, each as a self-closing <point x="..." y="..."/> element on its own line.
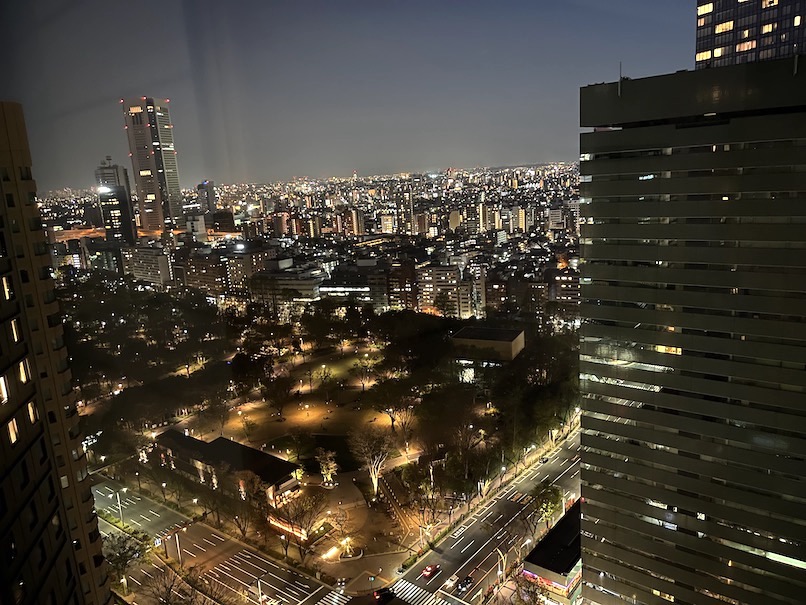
<point x="205" y="192"/>
<point x="741" y="31"/>
<point x="156" y="176"/>
<point x="693" y="353"/>
<point x="50" y="543"/>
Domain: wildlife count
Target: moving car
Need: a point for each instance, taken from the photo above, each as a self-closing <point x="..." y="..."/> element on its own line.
<point x="544" y="459"/>
<point x="465" y="584"/>
<point x="383" y="595"/>
<point x="430" y="570"/>
<point x="451" y="582"/>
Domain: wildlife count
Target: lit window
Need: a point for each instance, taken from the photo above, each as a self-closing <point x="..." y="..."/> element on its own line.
<point x="8" y="293"/>
<point x="723" y="27"/>
<point x="766" y="29"/>
<point x="797" y="21"/>
<point x="718" y="52"/>
<point x="703" y="56"/>
<point x="701" y="22"/>
<point x="743" y="46"/>
<point x="145" y="173"/>
<point x="33" y="414"/>
<point x="3" y="389"/>
<point x="768" y="3"/>
<point x="705" y="9"/>
<point x="15" y="330"/>
<point x="13" y="431"/>
<point x="25" y="371"/>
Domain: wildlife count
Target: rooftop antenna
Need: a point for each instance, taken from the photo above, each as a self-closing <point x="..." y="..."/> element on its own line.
<point x="619" y="79"/>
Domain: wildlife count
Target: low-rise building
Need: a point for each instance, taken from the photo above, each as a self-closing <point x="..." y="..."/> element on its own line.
<point x="488" y="344"/>
<point x="555" y="562"/>
<point x="203" y="461"/>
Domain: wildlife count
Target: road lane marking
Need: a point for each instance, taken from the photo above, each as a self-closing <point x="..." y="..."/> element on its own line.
<point x="153" y="513"/>
<point x="148" y="574"/>
<point x="561" y="474"/>
<point x="135" y="522"/>
<point x="457" y="542"/>
<point x="199" y="547"/>
<point x="133" y="579"/>
<point x="188" y="552"/>
<point x="208" y="541"/>
<point x="469" y="544"/>
<point x="433" y="577"/>
<point x="217" y="537"/>
<point x="146" y="518"/>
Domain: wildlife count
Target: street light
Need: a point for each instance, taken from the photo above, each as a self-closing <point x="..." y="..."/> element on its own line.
<point x="120" y="507"/>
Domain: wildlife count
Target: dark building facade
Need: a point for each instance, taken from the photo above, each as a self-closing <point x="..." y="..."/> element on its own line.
<point x="741" y="31"/>
<point x="116" y="212"/>
<point x="50" y="546"/>
<point x="693" y="352"/>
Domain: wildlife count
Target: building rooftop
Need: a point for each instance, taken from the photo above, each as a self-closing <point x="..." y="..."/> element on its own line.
<point x="236" y="456"/>
<point x="492" y="334"/>
<point x="560" y="549"/>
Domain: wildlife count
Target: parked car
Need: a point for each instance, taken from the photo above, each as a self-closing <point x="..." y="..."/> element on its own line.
<point x="383" y="595"/>
<point x="465" y="584"/>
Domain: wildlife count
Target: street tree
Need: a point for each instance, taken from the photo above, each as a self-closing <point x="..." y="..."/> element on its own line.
<point x="327" y="464"/>
<point x="248" y="426"/>
<point x="547" y="497"/>
<point x="122" y="551"/>
<point x="527" y="592"/>
<point x="190" y="586"/>
<point x="371" y="447"/>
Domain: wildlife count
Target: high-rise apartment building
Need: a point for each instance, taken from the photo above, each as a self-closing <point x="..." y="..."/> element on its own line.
<point x="156" y="176"/>
<point x="111" y="175"/>
<point x="741" y="31"/>
<point x="51" y="547"/>
<point x="693" y="353"/>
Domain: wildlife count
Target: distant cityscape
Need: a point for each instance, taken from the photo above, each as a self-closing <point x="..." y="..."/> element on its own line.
<point x="459" y="243"/>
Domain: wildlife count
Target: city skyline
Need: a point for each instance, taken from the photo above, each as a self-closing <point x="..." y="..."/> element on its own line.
<point x="377" y="91"/>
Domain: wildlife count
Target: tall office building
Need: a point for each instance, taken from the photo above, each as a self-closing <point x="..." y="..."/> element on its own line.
<point x="51" y="547"/>
<point x="693" y="353"/>
<point x="156" y="176"/>
<point x="205" y="193"/>
<point x="116" y="212"/>
<point x="741" y="31"/>
<point x="111" y="175"/>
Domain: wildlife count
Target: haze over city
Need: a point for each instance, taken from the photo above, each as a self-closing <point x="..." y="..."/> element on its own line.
<point x="264" y="91"/>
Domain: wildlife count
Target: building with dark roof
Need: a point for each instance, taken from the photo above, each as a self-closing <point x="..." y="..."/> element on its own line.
<point x="488" y="344"/>
<point x="555" y="562"/>
<point x="204" y="462"/>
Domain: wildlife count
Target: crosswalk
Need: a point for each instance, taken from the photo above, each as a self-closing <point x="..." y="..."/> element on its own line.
<point x="334" y="598"/>
<point x="414" y="595"/>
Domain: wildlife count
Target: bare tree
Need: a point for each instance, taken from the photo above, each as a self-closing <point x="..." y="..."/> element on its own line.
<point x="303" y="513"/>
<point x="217" y="409"/>
<point x="122" y="551"/>
<point x="371" y="447"/>
<point x="191" y="586"/>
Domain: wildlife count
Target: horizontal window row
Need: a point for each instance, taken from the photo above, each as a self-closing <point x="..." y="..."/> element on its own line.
<point x="695" y="149"/>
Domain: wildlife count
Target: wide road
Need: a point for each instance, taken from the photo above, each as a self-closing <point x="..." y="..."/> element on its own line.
<point x="226" y="561"/>
<point x="472" y="549"/>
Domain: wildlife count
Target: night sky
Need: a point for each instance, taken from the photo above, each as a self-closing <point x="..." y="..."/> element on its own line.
<point x="265" y="90"/>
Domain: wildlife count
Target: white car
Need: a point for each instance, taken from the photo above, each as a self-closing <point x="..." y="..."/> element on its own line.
<point x="451" y="582"/>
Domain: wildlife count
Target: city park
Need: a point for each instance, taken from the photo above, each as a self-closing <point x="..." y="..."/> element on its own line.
<point x="347" y="394"/>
